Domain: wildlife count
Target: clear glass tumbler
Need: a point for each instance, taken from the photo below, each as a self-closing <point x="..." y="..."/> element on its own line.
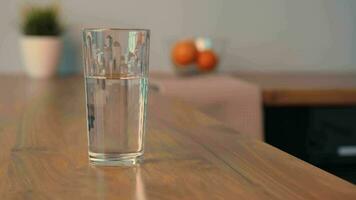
<point x="116" y="79"/>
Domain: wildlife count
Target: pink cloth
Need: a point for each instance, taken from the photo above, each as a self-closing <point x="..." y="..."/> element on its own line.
<point x="232" y="101"/>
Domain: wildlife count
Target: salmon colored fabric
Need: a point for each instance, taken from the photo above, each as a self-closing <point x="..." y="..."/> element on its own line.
<point x="232" y="101"/>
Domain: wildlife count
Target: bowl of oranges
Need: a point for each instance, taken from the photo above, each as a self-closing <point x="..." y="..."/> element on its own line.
<point x="194" y="56"/>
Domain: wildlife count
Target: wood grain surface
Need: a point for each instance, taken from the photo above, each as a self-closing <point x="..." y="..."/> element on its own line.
<point x="304" y="89"/>
<point x="188" y="156"/>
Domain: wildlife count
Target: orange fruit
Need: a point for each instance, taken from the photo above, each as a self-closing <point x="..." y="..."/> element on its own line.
<point x="207" y="60"/>
<point x="184" y="52"/>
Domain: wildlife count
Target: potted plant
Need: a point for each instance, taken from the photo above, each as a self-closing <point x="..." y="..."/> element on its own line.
<point x="41" y="42"/>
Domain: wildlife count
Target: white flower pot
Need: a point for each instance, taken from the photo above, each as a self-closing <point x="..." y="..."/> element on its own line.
<point x="41" y="55"/>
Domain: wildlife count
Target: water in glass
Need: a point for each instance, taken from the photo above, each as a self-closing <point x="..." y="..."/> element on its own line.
<point x="116" y="108"/>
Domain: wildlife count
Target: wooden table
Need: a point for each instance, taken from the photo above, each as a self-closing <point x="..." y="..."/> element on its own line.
<point x="189" y="155"/>
<point x="304" y="89"/>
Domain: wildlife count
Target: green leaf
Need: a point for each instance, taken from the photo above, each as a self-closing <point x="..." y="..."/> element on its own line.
<point x="41" y="21"/>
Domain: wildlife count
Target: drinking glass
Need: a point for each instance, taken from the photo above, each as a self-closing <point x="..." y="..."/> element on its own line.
<point x="116" y="78"/>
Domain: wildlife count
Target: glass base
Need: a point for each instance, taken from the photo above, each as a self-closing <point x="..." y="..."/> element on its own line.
<point x="128" y="159"/>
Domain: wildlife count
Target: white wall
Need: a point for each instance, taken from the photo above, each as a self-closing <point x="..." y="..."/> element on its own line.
<point x="261" y="34"/>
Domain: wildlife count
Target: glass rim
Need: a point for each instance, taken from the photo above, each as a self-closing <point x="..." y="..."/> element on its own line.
<point x="115" y="29"/>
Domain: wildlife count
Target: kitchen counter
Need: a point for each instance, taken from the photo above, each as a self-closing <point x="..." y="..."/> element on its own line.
<point x="304" y="88"/>
<point x="188" y="154"/>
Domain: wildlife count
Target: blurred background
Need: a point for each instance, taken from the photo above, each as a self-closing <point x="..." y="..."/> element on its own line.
<point x="284" y="70"/>
<point x="268" y="35"/>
